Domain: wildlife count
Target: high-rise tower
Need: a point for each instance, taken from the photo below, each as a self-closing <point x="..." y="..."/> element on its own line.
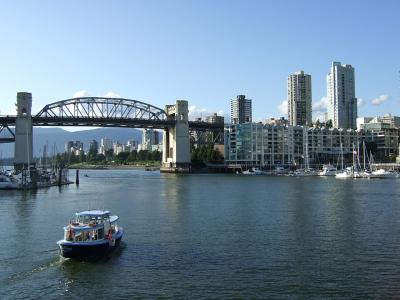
<point x="342" y="102"/>
<point x="241" y="110"/>
<point x="299" y="99"/>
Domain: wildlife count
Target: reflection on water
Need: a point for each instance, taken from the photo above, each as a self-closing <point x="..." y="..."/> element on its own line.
<point x="210" y="236"/>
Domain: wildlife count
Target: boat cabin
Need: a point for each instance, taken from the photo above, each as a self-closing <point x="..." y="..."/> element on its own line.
<point x="91" y="226"/>
<point x="92" y="217"/>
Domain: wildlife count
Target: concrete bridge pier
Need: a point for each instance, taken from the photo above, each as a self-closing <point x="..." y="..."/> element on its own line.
<point x="176" y="142"/>
<point x="23" y="151"/>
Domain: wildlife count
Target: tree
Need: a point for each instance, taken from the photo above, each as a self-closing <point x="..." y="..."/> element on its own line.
<point x="205" y="154"/>
<point x="329" y="123"/>
<point x="100" y="157"/>
<point x="91" y="156"/>
<point x="132" y="156"/>
<point x="82" y="157"/>
<point x="109" y="154"/>
<point x="142" y="155"/>
<point x="122" y="157"/>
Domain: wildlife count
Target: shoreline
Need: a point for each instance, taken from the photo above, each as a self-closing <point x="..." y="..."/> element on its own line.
<point x="114" y="167"/>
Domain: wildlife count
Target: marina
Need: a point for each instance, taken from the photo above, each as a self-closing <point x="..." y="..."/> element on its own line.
<point x="33" y="179"/>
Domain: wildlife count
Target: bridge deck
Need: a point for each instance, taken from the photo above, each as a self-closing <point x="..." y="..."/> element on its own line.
<point x="110" y="122"/>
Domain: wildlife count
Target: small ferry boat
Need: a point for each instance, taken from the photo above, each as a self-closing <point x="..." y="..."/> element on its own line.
<point x="94" y="233"/>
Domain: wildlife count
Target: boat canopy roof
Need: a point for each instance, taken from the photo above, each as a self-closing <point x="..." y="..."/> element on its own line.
<point x="113" y="219"/>
<point x="93" y="213"/>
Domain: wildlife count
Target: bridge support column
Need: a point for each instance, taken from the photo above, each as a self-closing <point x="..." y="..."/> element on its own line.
<point x="176" y="142"/>
<point x="23" y="151"/>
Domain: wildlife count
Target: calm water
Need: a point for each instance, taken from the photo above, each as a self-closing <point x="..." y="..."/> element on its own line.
<point x="209" y="236"/>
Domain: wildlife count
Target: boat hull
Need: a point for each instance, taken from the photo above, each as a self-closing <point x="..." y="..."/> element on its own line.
<point x="88" y="250"/>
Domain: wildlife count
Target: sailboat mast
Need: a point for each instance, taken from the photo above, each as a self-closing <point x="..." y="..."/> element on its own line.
<point x="341" y="152"/>
<point x="364" y="153"/>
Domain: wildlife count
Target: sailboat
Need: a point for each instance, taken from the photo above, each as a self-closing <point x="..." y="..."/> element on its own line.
<point x="307" y="171"/>
<point x="382" y="173"/>
<point x="365" y="173"/>
<point x="345" y="173"/>
<point x="328" y="170"/>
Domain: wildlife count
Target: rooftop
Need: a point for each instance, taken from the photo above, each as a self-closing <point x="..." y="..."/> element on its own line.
<point x="93" y="213"/>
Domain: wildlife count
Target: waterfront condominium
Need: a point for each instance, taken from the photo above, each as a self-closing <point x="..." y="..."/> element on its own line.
<point x="299" y="99"/>
<point x="342" y="102"/>
<point x="240" y="110"/>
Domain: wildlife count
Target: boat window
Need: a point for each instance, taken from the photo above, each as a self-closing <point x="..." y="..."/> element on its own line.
<point x="87" y="236"/>
<point x="100" y="233"/>
<point x="78" y="237"/>
<point x="94" y="235"/>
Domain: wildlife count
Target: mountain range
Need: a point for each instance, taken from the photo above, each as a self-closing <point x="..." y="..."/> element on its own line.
<point x="56" y="138"/>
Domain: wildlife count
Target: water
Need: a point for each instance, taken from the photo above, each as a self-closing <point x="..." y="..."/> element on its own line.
<point x="209" y="236"/>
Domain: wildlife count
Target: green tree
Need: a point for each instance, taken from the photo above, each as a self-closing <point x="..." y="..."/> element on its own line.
<point x="99" y="157"/>
<point x="205" y="154"/>
<point x="122" y="157"/>
<point x="156" y="155"/>
<point x="109" y="154"/>
<point x="91" y="155"/>
<point x="132" y="156"/>
<point x="141" y="156"/>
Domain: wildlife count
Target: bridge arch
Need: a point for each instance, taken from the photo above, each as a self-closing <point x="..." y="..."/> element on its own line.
<point x="102" y="108"/>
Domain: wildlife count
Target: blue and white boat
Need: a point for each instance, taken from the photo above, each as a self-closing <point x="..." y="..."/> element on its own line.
<point x="94" y="233"/>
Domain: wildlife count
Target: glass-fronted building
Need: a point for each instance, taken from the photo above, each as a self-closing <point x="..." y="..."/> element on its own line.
<point x="269" y="146"/>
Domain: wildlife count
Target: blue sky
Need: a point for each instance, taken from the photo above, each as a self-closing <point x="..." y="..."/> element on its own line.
<point x="204" y="51"/>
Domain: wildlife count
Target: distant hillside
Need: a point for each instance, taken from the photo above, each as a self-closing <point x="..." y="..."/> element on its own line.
<point x="58" y="137"/>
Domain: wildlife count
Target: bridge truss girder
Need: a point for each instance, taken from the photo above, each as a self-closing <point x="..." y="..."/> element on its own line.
<point x="4" y="138"/>
<point x="102" y="122"/>
<point x="102" y="108"/>
<point x="206" y="137"/>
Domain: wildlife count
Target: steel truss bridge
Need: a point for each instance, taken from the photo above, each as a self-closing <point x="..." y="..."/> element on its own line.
<point x="110" y="112"/>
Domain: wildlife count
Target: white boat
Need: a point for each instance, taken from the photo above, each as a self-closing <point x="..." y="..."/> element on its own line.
<point x="365" y="174"/>
<point x="350" y="172"/>
<point x="381" y="173"/>
<point x="280" y="171"/>
<point x="357" y="174"/>
<point x="354" y="171"/>
<point x="254" y="171"/>
<point x="8" y="182"/>
<point x="303" y="172"/>
<point x="328" y="170"/>
<point x="346" y="173"/>
<point x="307" y="171"/>
<point x="94" y="233"/>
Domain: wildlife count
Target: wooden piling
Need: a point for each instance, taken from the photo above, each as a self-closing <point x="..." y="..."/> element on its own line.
<point x="77" y="177"/>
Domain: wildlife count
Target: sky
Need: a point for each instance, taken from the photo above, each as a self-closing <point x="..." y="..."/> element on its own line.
<point x="206" y="52"/>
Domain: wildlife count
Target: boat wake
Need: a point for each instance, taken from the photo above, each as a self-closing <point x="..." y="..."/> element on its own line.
<point x="44" y="266"/>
